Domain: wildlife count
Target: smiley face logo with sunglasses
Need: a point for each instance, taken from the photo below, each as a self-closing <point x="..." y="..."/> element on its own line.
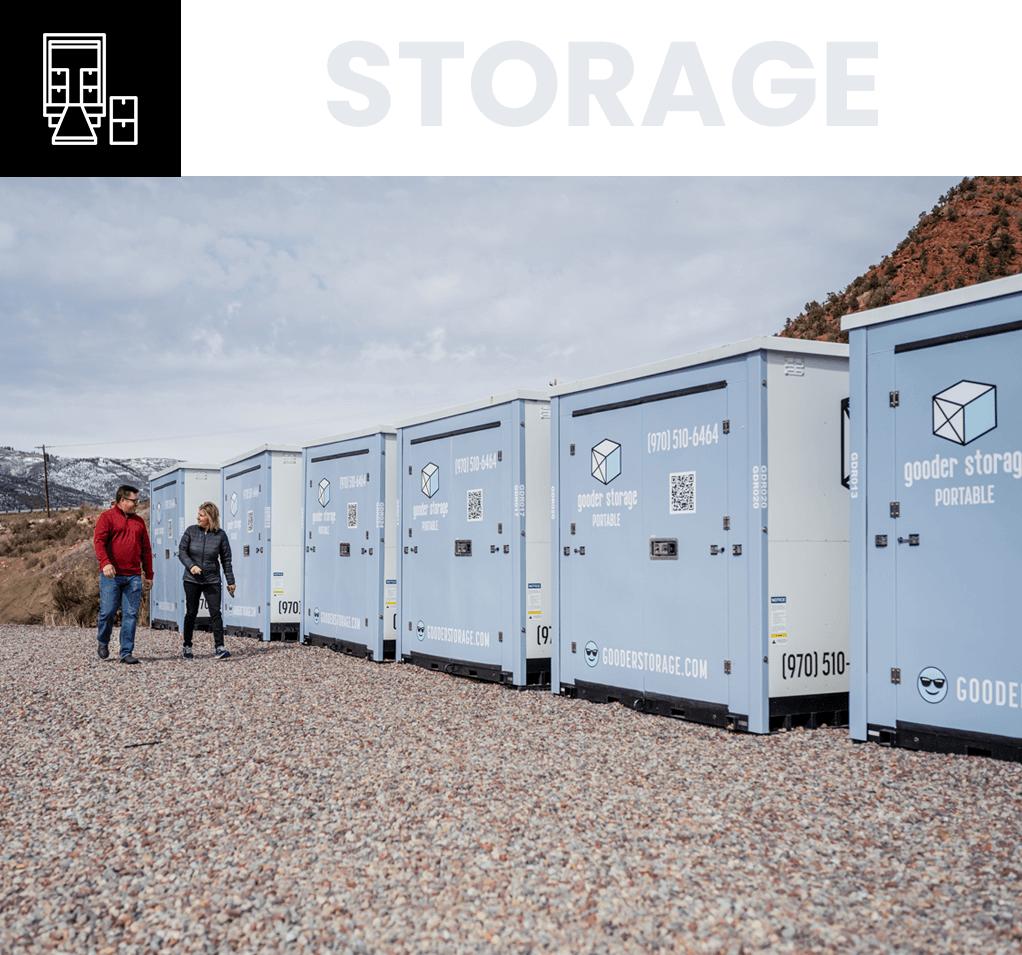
<point x="932" y="685"/>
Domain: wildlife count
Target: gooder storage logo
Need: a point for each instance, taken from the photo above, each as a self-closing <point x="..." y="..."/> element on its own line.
<point x="792" y="72"/>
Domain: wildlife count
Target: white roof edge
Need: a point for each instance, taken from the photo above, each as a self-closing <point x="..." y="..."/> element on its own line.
<point x="287" y="448"/>
<point x="790" y="346"/>
<point x="493" y="400"/>
<point x="184" y="466"/>
<point x="362" y="433"/>
<point x="969" y="295"/>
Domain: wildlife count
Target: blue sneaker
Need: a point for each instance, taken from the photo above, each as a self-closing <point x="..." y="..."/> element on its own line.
<point x="187" y="653"/>
<point x="222" y="653"/>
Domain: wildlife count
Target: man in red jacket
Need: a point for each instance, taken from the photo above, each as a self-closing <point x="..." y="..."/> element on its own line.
<point x="122" y="548"/>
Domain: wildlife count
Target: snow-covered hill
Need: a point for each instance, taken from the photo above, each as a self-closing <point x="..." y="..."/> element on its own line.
<point x="73" y="481"/>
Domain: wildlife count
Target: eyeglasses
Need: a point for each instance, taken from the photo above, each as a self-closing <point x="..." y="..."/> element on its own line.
<point x="131" y="500"/>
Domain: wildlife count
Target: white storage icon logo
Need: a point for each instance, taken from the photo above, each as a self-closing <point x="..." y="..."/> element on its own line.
<point x="965" y="412"/>
<point x="324" y="492"/>
<point x="430" y="479"/>
<point x="606" y="461"/>
<point x="234" y="503"/>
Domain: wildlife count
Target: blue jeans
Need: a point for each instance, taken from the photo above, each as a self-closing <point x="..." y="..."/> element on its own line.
<point x="126" y="593"/>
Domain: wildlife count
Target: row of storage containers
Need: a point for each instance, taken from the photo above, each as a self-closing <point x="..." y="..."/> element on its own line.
<point x="722" y="538"/>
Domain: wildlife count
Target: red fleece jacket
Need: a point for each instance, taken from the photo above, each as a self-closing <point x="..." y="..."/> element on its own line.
<point x="122" y="540"/>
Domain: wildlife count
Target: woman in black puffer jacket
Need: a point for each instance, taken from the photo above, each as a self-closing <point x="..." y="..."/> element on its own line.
<point x="203" y="550"/>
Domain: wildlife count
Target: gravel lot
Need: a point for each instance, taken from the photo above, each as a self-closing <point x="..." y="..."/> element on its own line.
<point x="292" y="799"/>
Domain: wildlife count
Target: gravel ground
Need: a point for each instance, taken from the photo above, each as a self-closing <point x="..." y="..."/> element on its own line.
<point x="292" y="799"/>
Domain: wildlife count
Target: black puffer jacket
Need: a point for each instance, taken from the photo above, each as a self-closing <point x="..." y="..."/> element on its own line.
<point x="205" y="549"/>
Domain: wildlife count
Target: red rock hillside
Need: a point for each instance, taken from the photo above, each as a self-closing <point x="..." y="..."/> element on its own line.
<point x="972" y="234"/>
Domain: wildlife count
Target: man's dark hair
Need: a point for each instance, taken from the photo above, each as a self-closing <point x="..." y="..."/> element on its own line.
<point x="123" y="491"/>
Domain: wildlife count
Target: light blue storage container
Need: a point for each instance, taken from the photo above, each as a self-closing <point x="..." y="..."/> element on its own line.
<point x="936" y="412"/>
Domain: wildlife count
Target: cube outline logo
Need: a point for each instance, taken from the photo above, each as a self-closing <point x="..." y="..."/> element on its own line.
<point x="430" y="479"/>
<point x="324" y="492"/>
<point x="606" y="463"/>
<point x="964" y="411"/>
<point x="234" y="504"/>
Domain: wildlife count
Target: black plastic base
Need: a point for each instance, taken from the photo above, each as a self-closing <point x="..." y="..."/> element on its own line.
<point x="172" y="625"/>
<point x="938" y="739"/>
<point x="475" y="671"/>
<point x="694" y="711"/>
<point x="350" y="648"/>
<point x="786" y="712"/>
<point x="811" y="711"/>
<point x="279" y="632"/>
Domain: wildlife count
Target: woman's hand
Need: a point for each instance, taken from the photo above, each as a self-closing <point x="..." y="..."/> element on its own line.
<point x="195" y="569"/>
<point x="230" y="588"/>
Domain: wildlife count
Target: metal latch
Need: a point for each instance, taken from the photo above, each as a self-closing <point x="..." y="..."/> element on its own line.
<point x="663" y="548"/>
<point x="881" y="540"/>
<point x="895" y="508"/>
<point x="912" y="540"/>
<point x="507" y="548"/>
<point x="894" y="399"/>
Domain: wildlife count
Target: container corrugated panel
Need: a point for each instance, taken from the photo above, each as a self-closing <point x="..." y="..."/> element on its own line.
<point x="175" y="496"/>
<point x="474" y="548"/>
<point x="936" y="410"/>
<point x="700" y="536"/>
<point x="350" y="545"/>
<point x="262" y="515"/>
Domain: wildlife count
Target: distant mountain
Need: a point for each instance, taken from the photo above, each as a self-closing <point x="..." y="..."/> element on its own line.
<point x="972" y="234"/>
<point x="73" y="481"/>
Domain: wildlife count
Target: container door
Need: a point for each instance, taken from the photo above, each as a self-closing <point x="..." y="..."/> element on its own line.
<point x="453" y="503"/>
<point x="685" y="564"/>
<point x="245" y="504"/>
<point x="958" y="465"/>
<point x="602" y="513"/>
<point x="335" y="565"/>
<point x="166" y="567"/>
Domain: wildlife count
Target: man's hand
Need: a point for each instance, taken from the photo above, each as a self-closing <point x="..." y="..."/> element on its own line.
<point x="147" y="584"/>
<point x="195" y="569"/>
<point x="230" y="589"/>
<point x="108" y="571"/>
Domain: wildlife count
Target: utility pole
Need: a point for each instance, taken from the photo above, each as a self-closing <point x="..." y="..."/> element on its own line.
<point x="46" y="479"/>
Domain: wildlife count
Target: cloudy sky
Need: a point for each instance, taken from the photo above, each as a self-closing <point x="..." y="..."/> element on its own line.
<point x="198" y="318"/>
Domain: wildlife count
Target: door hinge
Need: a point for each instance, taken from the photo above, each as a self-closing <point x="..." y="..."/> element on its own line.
<point x="894" y="399"/>
<point x="727" y="426"/>
<point x="727" y="666"/>
<point x="881" y="540"/>
<point x="727" y="523"/>
<point x="895" y="508"/>
<point x="896" y="674"/>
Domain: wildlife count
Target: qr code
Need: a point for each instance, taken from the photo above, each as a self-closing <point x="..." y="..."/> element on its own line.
<point x="475" y="505"/>
<point x="683" y="493"/>
<point x="353" y="515"/>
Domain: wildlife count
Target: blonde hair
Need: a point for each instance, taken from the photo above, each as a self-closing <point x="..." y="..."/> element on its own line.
<point x="213" y="513"/>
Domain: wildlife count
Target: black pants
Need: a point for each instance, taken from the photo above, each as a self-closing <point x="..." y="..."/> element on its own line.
<point x="212" y="592"/>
